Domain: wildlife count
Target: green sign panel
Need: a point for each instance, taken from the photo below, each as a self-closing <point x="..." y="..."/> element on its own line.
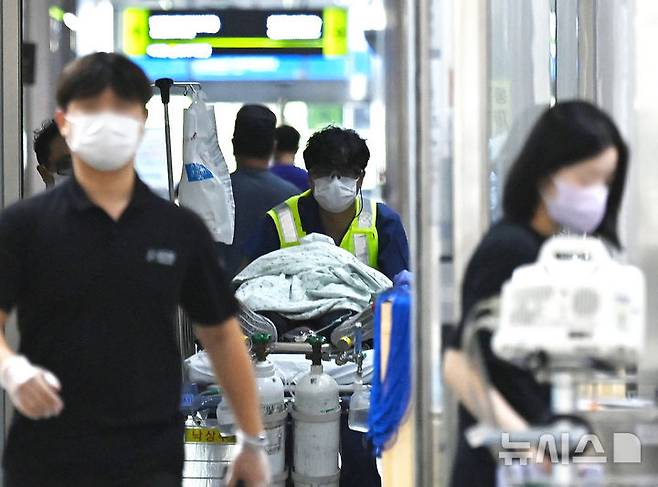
<point x="202" y="33"/>
<point x="322" y="114"/>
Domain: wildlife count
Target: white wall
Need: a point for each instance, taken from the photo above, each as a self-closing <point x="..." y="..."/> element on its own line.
<point x="519" y="81"/>
<point x="642" y="195"/>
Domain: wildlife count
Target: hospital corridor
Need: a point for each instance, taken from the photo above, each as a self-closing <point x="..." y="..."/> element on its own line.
<point x="328" y="243"/>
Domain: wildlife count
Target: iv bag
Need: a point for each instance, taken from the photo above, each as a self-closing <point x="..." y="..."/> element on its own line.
<point x="205" y="185"/>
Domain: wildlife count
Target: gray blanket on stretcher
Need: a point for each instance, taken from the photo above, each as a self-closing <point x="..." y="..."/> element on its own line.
<point x="309" y="280"/>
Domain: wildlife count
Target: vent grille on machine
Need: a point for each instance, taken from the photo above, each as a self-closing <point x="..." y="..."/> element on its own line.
<point x="529" y="303"/>
<point x="586" y="302"/>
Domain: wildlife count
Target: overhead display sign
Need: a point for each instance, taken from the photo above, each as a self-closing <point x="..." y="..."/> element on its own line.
<point x="201" y="34"/>
<point x="278" y="68"/>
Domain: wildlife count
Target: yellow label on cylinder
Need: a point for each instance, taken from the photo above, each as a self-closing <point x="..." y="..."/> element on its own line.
<point x="207" y="435"/>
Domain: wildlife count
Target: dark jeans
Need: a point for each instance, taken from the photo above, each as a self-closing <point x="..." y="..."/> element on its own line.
<point x="359" y="468"/>
<point x="155" y="479"/>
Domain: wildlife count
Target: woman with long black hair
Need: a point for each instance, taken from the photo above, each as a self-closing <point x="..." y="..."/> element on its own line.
<point x="569" y="176"/>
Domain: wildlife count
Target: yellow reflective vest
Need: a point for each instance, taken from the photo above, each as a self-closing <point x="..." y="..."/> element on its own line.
<point x="361" y="238"/>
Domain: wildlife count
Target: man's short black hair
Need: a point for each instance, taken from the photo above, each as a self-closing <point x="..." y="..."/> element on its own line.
<point x="42" y="140"/>
<point x="255" y="132"/>
<point x="90" y="75"/>
<point x="287" y="139"/>
<point x="336" y="148"/>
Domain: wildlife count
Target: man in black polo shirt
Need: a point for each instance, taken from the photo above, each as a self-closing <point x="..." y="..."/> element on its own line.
<point x="95" y="269"/>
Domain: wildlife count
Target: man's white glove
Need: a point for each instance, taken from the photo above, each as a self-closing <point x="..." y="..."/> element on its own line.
<point x="32" y="390"/>
<point x="251" y="465"/>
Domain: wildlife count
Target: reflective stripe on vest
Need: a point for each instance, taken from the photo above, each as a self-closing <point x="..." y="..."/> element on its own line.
<point x="361" y="247"/>
<point x="288" y="227"/>
<point x="361" y="238"/>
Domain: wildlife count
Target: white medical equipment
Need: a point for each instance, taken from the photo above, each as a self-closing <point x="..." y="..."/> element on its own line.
<point x="573" y="314"/>
<point x="574" y="303"/>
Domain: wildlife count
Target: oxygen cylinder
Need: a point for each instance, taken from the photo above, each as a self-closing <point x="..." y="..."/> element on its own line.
<point x="226" y="422"/>
<point x="225" y="418"/>
<point x="273" y="409"/>
<point x="316" y="430"/>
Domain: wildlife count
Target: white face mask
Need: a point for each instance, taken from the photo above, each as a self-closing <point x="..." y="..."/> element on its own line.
<point x="105" y="141"/>
<point x="334" y="194"/>
<point x="577" y="209"/>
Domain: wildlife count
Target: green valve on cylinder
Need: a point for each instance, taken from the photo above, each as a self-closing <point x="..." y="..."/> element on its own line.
<point x="260" y="341"/>
<point x="316" y="342"/>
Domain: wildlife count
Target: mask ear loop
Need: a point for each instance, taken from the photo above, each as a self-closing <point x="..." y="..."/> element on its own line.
<point x="361" y="197"/>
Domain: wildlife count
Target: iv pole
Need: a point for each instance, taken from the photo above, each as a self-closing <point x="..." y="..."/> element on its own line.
<point x="184" y="331"/>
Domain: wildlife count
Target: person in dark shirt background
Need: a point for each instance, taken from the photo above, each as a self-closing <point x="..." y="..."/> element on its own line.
<point x="569" y="176"/>
<point x="53" y="155"/>
<point x="287" y="146"/>
<point x="255" y="188"/>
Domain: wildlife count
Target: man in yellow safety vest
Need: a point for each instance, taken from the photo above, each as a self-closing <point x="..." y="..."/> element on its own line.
<point x="336" y="160"/>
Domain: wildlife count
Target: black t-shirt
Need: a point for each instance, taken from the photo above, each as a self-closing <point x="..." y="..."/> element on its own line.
<point x="96" y="301"/>
<point x="504" y="248"/>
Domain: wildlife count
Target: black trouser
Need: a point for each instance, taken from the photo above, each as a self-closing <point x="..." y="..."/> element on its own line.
<point x="137" y="456"/>
<point x="359" y="467"/>
<point x="54" y="479"/>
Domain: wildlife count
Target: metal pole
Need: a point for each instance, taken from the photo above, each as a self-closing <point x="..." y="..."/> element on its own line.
<point x="587" y="55"/>
<point x="471" y="214"/>
<point x="397" y="101"/>
<point x="184" y="331"/>
<point x="641" y="222"/>
<point x="426" y="248"/>
<point x="567" y="79"/>
<point x="11" y="136"/>
<point x="170" y="168"/>
<point x="165" y="85"/>
<point x="12" y="109"/>
<point x="409" y="87"/>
